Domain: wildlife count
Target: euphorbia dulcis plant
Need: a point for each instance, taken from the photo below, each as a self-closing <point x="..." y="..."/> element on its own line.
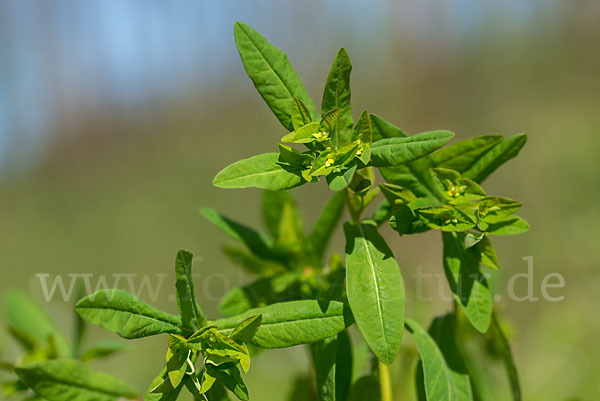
<point x="301" y="297"/>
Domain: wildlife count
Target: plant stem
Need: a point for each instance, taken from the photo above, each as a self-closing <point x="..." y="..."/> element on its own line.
<point x="384" y="382"/>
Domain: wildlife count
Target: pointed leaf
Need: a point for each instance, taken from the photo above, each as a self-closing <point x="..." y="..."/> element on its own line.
<point x="393" y="151"/>
<point x="442" y="331"/>
<point x="251" y="263"/>
<point x="437" y="376"/>
<point x="192" y="316"/>
<point x="507" y="358"/>
<point x="122" y="313"/>
<point x="161" y="390"/>
<point x="363" y="136"/>
<point x="383" y="129"/>
<point x="460" y="156"/>
<point x="510" y="226"/>
<point x="300" y="114"/>
<point x="291" y="323"/>
<point x="340" y="179"/>
<point x="272" y="74"/>
<point x="495" y="157"/>
<point x="245" y="331"/>
<point x="256" y="242"/>
<point x="325" y="225"/>
<point x="22" y="313"/>
<point x="272" y="205"/>
<point x="260" y="171"/>
<point x="469" y="288"/>
<point x="337" y="96"/>
<point x="375" y="290"/>
<point x="62" y="380"/>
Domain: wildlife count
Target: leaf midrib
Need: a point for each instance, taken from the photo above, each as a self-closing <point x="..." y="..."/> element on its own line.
<point x="372" y="265"/>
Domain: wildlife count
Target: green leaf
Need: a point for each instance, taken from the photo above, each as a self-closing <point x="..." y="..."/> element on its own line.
<point x="251" y="263"/>
<point x="290" y="236"/>
<point x="383" y="129"/>
<point x="192" y="316"/>
<point x="494" y="209"/>
<point x="332" y="360"/>
<point x="126" y="315"/>
<point x="69" y="380"/>
<point x="416" y="176"/>
<point x="393" y="151"/>
<point x="341" y="178"/>
<point x="325" y="225"/>
<point x="304" y="134"/>
<point x="510" y="226"/>
<point x="460" y="156"/>
<point x="176" y="365"/>
<point x="437" y="376"/>
<point x="324" y="357"/>
<point x="488" y="253"/>
<point x="22" y="313"/>
<point x="365" y="388"/>
<point x="337" y="96"/>
<point x="469" y="288"/>
<point x="245" y="331"/>
<point x="272" y="206"/>
<point x="442" y="331"/>
<point x="161" y="390"/>
<point x="260" y="171"/>
<point x="375" y="290"/>
<point x="507" y="358"/>
<point x="217" y="393"/>
<point x="300" y="114"/>
<point x="330" y="160"/>
<point x="495" y="157"/>
<point x="292" y="323"/>
<point x="231" y="379"/>
<point x="256" y="242"/>
<point x="264" y="291"/>
<point x="363" y="136"/>
<point x="344" y="364"/>
<point x="272" y="74"/>
<point x="103" y="349"/>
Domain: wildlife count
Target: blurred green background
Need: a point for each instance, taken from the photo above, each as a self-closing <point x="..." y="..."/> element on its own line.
<point x="115" y="116"/>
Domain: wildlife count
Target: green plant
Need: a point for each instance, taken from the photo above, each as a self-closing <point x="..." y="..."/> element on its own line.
<point x="51" y="367"/>
<point x="299" y="297"/>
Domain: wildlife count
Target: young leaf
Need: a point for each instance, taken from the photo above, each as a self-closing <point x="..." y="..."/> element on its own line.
<point x="304" y="134"/>
<point x="22" y="313"/>
<point x="272" y="205"/>
<point x="495" y="157"/>
<point x="256" y="242"/>
<point x="102" y="350"/>
<point x="272" y="74"/>
<point x="161" y="390"/>
<point x="341" y="178"/>
<point x="245" y="331"/>
<point x="62" y="380"/>
<point x="129" y="317"/>
<point x="260" y="171"/>
<point x="460" y="156"/>
<point x="291" y="323"/>
<point x="232" y="380"/>
<point x="363" y="136"/>
<point x="325" y="225"/>
<point x="510" y="226"/>
<point x="337" y="96"/>
<point x="251" y="263"/>
<point x="375" y="290"/>
<point x="488" y="253"/>
<point x="192" y="316"/>
<point x="469" y="287"/>
<point x="383" y="129"/>
<point x="176" y="365"/>
<point x="507" y="358"/>
<point x="442" y="331"/>
<point x="264" y="291"/>
<point x="437" y="377"/>
<point x="393" y="151"/>
<point x="300" y="114"/>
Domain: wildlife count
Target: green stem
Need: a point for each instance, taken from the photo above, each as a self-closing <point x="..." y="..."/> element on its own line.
<point x="384" y="382"/>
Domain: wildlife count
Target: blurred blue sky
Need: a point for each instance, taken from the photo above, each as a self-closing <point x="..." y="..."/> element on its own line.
<point x="62" y="56"/>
